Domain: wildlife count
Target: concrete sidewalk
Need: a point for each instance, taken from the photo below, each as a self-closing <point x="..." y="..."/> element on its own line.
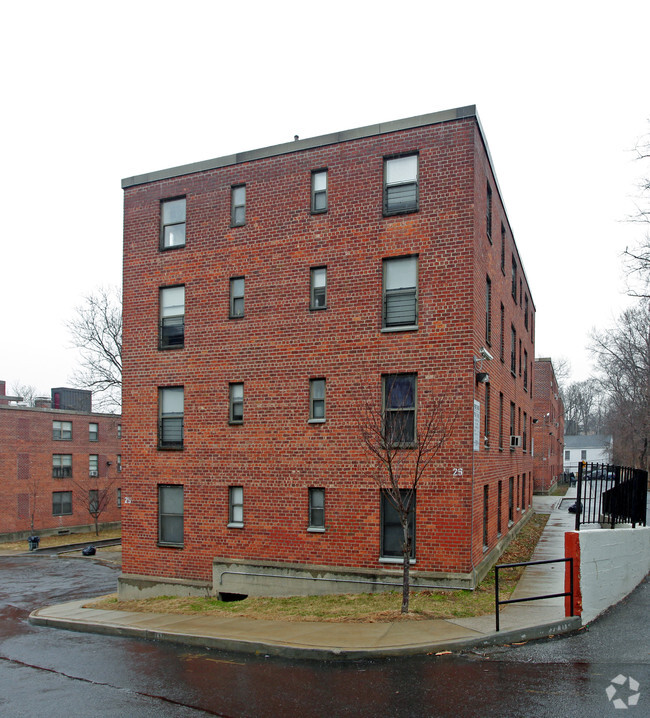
<point x="519" y="622"/>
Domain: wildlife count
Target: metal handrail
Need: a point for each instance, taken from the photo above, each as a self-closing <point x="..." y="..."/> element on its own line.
<point x="498" y="603"/>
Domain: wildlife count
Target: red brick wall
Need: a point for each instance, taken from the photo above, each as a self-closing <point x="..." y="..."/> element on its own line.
<point x="26" y="449"/>
<point x="279" y="345"/>
<point x="549" y="430"/>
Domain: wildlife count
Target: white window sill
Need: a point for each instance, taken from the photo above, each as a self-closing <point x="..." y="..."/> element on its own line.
<point x="235" y="525"/>
<point x="315" y="530"/>
<point x="409" y="328"/>
<point x="316" y="421"/>
<point x="399" y="561"/>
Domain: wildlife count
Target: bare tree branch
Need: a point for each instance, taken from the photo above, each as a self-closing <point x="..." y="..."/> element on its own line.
<point x="96" y="330"/>
<point x="403" y="447"/>
<point x="622" y="355"/>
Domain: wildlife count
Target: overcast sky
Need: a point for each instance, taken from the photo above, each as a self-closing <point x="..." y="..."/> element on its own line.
<point x="97" y="92"/>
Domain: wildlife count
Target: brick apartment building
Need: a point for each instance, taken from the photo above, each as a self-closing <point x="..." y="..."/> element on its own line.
<point x="265" y="294"/>
<point x="548" y="428"/>
<point x="52" y="459"/>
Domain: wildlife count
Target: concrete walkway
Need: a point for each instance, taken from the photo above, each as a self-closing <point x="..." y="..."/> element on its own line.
<point x="519" y="622"/>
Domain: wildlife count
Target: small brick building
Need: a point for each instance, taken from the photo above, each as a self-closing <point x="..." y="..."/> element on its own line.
<point x="265" y="294"/>
<point x="50" y="462"/>
<point x="548" y="428"/>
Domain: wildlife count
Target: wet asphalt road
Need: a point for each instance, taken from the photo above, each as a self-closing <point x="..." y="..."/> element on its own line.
<point x="50" y="672"/>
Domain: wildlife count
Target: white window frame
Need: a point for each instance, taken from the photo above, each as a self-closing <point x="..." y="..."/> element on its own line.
<point x="399" y="179"/>
<point x="238" y="205"/>
<point x="236" y="507"/>
<point x="171" y="302"/>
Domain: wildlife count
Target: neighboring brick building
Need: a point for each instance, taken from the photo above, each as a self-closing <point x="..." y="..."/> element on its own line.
<point x="548" y="427"/>
<point x="50" y="461"/>
<point x="265" y="295"/>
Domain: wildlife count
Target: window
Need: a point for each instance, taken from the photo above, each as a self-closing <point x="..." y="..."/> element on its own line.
<point x="238" y="205"/>
<point x="118" y="493"/>
<point x="236" y="506"/>
<point x="487" y="416"/>
<point x="486" y="498"/>
<point x="236" y="297"/>
<point x="61" y="466"/>
<point x="119" y="431"/>
<point x="526" y="311"/>
<point x="513" y="289"/>
<point x="511" y="499"/>
<point x="399" y="409"/>
<point x="318" y="288"/>
<point x="512" y="418"/>
<point x="93" y="502"/>
<point x="503" y="250"/>
<point x="499" y="501"/>
<point x="488" y="310"/>
<point x="523" y="492"/>
<point x="391" y="529"/>
<point x="501" y="420"/>
<point x="93" y="465"/>
<point x="119" y="462"/>
<point x="62" y="430"/>
<point x="526" y="369"/>
<point x="317" y="509"/>
<point x="318" y="191"/>
<point x="172" y="317"/>
<point x="236" y="403"/>
<point x="61" y="503"/>
<point x="513" y="350"/>
<point x="400" y="292"/>
<point x="525" y="434"/>
<point x="567" y="455"/>
<point x="170" y="515"/>
<point x="488" y="213"/>
<point x="93" y="432"/>
<point x="401" y="185"/>
<point x="583" y="455"/>
<point x="171" y="408"/>
<point x="316" y="400"/>
<point x="503" y="335"/>
<point x="172" y="220"/>
<point x="520" y="357"/>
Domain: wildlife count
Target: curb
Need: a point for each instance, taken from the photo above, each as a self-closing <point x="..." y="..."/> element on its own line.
<point x="284" y="650"/>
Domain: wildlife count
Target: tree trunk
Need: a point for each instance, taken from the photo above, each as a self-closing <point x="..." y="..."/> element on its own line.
<point x="406" y="547"/>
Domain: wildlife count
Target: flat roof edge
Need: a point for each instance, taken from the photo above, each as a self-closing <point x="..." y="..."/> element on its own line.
<point x="382" y="128"/>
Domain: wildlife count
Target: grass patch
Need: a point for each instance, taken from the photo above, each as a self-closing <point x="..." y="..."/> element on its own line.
<point x="61" y="540"/>
<point x="355" y="607"/>
<point x="560" y="489"/>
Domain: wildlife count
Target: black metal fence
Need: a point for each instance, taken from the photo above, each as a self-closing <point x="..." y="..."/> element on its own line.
<point x="611" y="495"/>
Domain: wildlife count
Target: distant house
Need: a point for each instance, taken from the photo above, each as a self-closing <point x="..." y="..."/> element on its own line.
<point x="595" y="449"/>
<point x="57" y="460"/>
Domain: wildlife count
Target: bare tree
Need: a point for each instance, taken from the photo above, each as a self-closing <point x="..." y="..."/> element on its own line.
<point x="97" y="491"/>
<point x="637" y="259"/>
<point x="562" y="371"/>
<point x="583" y="407"/>
<point x="622" y="356"/>
<point x="27" y="392"/>
<point x="96" y="330"/>
<point x="403" y="449"/>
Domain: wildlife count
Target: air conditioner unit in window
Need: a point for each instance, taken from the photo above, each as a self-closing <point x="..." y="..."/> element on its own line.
<point x="94" y="473"/>
<point x="515" y="441"/>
